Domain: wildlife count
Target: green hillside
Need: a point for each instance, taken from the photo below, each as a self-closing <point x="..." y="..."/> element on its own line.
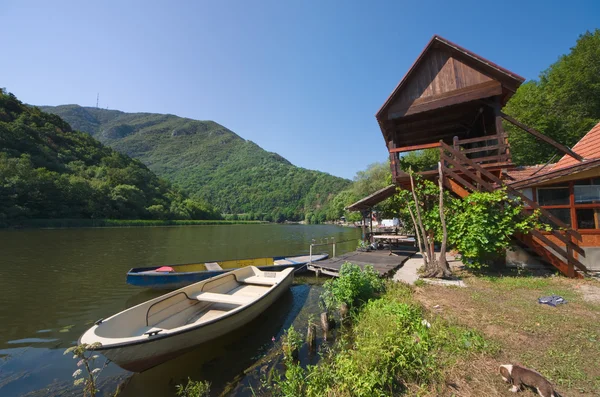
<point x="49" y="171"/>
<point x="210" y="161"/>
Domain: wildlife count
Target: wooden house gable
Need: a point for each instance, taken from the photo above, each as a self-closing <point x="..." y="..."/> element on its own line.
<point x="446" y="74"/>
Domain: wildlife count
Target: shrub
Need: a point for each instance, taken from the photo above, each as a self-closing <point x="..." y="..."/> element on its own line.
<point x="482" y="223"/>
<point x="354" y="286"/>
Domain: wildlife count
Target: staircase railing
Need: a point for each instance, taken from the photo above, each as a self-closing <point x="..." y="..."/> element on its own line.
<point x="473" y="176"/>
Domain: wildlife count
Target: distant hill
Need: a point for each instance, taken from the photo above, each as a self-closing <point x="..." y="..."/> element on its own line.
<point x="49" y="171"/>
<point x="209" y="161"/>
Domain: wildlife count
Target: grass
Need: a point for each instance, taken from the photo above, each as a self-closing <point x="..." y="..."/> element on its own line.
<point x="394" y="347"/>
<point x="562" y="343"/>
<point x="68" y="223"/>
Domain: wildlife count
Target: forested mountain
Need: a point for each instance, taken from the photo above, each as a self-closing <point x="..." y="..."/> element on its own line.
<point x="48" y="170"/>
<point x="211" y="162"/>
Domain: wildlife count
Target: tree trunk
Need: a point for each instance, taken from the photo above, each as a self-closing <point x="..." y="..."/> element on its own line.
<point x="440" y="267"/>
<point x="418" y="235"/>
<point x="429" y="258"/>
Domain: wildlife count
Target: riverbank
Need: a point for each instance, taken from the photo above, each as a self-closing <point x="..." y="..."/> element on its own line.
<point x="435" y="340"/>
<point x="76" y="223"/>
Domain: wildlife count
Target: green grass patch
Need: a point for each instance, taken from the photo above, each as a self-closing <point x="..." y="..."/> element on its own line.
<point x="393" y="343"/>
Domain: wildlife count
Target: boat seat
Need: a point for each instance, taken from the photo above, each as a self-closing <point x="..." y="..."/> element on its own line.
<point x="222" y="298"/>
<point x="212" y="266"/>
<point x="257" y="281"/>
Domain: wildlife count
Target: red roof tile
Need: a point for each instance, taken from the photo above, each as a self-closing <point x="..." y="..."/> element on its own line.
<point x="524" y="172"/>
<point x="588" y="147"/>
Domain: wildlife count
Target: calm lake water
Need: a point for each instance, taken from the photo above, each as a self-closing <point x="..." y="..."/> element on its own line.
<point x="55" y="283"/>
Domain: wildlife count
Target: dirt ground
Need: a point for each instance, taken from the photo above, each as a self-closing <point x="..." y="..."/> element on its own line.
<point x="562" y="343"/>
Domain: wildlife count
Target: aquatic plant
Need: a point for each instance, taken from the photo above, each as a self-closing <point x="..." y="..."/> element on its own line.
<point x="86" y="361"/>
<point x="194" y="388"/>
<point x="292" y="342"/>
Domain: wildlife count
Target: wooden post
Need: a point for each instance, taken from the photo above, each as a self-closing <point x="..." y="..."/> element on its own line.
<point x="344" y="312"/>
<point x="325" y="324"/>
<point x="311" y="336"/>
<point x="371" y="224"/>
<point x="393" y="160"/>
<point x="364" y="232"/>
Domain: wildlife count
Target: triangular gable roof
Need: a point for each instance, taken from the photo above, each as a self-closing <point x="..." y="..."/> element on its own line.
<point x="508" y="79"/>
<point x="588" y="147"/>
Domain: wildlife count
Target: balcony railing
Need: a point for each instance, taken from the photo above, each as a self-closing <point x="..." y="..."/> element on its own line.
<point x="487" y="151"/>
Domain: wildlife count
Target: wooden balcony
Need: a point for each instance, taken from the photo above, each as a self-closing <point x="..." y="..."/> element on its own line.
<point x="491" y="152"/>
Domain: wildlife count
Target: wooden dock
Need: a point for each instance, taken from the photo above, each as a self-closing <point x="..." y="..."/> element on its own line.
<point x="383" y="263"/>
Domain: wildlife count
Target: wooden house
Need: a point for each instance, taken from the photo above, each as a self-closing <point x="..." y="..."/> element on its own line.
<point x="451" y="99"/>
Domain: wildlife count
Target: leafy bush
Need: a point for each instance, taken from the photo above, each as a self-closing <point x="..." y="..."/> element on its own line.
<point x="482" y="223"/>
<point x="354" y="286"/>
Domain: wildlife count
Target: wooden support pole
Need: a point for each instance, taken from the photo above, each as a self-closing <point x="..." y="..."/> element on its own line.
<point x="543" y="137"/>
<point x="325" y="324"/>
<point x="344" y="312"/>
<point x="311" y="336"/>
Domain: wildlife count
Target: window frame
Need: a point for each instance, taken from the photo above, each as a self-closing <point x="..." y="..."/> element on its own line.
<point x="572" y="206"/>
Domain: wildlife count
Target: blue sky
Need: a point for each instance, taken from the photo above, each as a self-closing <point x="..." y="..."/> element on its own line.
<point x="300" y="78"/>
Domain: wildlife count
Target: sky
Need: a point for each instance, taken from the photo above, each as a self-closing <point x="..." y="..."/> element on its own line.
<point x="300" y="78"/>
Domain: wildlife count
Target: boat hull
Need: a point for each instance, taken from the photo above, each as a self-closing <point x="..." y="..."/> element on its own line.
<point x="138" y="357"/>
<point x="144" y="277"/>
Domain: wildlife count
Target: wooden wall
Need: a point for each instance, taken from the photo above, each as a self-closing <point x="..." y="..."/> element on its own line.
<point x="439" y="76"/>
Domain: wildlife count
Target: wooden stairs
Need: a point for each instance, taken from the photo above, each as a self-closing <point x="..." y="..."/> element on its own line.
<point x="464" y="175"/>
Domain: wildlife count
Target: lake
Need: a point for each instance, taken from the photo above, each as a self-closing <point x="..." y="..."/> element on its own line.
<point x="55" y="283"/>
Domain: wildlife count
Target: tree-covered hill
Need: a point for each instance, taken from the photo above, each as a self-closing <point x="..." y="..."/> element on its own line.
<point x="211" y="162"/>
<point x="564" y="103"/>
<point x="48" y="170"/>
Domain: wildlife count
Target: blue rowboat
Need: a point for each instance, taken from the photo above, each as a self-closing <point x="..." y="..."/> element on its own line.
<point x="179" y="276"/>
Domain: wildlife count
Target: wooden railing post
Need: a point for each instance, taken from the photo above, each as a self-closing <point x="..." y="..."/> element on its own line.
<point x="393" y="161"/>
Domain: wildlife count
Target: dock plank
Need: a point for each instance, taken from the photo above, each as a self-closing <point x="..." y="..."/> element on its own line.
<point x="383" y="263"/>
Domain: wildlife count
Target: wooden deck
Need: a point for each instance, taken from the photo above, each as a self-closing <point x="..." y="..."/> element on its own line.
<point x="383" y="263"/>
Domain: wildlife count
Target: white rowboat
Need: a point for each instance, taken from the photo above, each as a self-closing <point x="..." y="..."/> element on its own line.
<point x="150" y="333"/>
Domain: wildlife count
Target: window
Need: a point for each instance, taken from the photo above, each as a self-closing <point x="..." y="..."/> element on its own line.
<point x="564" y="214"/>
<point x="585" y="210"/>
<point x="528" y="192"/>
<point x="553" y="195"/>
<point x="586" y="218"/>
<point x="587" y="192"/>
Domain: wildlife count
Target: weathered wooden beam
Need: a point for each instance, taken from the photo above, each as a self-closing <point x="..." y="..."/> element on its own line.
<point x="415" y="147"/>
<point x="541" y="136"/>
<point x="479" y="91"/>
<point x="456" y="188"/>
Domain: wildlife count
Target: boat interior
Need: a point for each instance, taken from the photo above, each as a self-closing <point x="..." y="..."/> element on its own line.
<point x="190" y="306"/>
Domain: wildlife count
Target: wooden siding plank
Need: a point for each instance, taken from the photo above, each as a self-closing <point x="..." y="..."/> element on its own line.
<point x="471" y="93"/>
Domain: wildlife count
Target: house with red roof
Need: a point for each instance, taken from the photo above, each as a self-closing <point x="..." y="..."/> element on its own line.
<point x="569" y="190"/>
<point x="451" y="99"/>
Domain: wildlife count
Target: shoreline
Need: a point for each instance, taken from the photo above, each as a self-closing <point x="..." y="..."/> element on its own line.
<point x="103" y="223"/>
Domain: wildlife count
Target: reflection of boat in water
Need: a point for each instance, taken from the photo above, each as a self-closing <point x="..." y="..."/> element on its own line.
<point x="177" y="276"/>
<point x="162" y="328"/>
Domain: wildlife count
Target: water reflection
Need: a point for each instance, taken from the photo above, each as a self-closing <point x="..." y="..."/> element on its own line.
<point x="56" y="283"/>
